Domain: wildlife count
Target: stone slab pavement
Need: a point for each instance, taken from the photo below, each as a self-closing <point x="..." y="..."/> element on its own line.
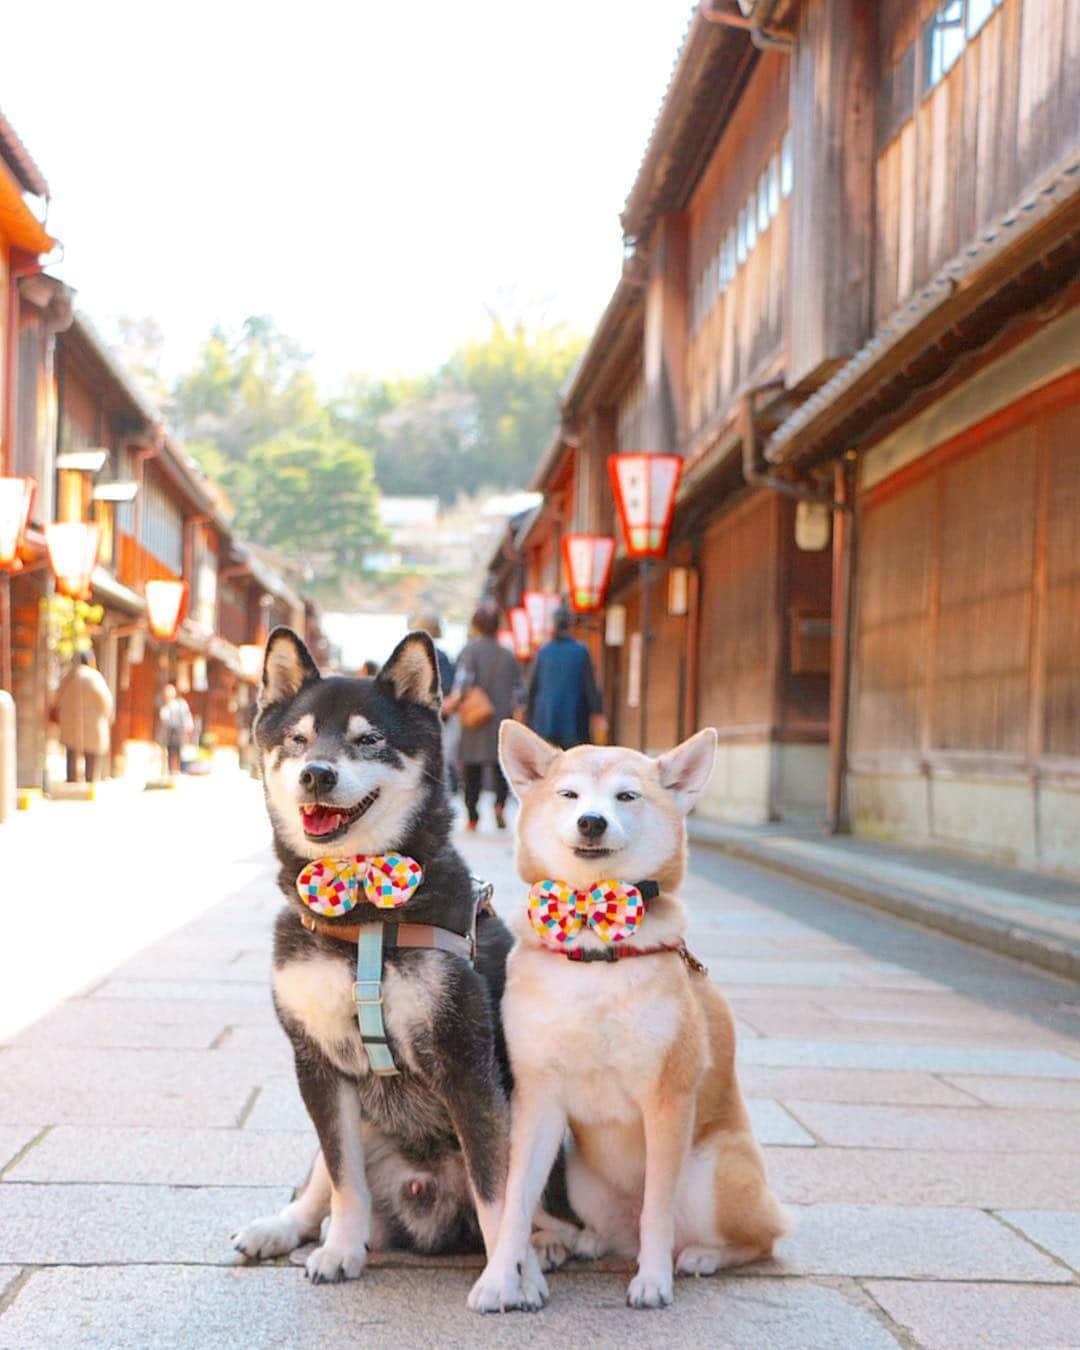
<point x="1032" y="916"/>
<point x="918" y="1100"/>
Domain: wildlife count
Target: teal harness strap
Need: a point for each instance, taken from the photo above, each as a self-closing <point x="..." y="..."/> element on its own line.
<point x="367" y="995"/>
<point x="371" y="941"/>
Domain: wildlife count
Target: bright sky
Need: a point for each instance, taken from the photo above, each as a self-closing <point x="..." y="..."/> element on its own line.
<point x="376" y="174"/>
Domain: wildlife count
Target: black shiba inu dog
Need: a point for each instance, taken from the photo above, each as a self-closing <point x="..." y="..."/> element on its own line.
<point x="416" y="1159"/>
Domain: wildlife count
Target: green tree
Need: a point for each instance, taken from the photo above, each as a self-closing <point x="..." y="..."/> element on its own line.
<point x="513" y="377"/>
<point x="310" y="494"/>
<point x="483" y="420"/>
<point x="245" y="390"/>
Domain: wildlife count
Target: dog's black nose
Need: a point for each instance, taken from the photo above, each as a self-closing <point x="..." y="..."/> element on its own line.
<point x="318" y="778"/>
<point x="591" y="825"/>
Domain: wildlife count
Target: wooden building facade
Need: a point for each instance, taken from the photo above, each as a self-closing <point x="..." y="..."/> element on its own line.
<point x="850" y="304"/>
<point x="63" y="392"/>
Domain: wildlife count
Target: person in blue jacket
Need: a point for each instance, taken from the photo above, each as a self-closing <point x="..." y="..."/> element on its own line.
<point x="563" y="694"/>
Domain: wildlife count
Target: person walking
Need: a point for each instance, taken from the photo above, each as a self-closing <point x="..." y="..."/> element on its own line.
<point x="84" y="707"/>
<point x="177" y="725"/>
<point x="487" y="688"/>
<point x="429" y="621"/>
<point x="564" y="703"/>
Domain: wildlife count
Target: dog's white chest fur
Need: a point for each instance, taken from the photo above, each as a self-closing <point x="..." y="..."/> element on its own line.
<point x="318" y="993"/>
<point x="597" y="1032"/>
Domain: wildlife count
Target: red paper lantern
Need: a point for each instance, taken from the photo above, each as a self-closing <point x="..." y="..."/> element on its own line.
<point x="521" y="632"/>
<point x="644" y="487"/>
<point x="588" y="559"/>
<point x="16" y="497"/>
<point x="166" y="602"/>
<point x="73" y="550"/>
<point x="540" y="606"/>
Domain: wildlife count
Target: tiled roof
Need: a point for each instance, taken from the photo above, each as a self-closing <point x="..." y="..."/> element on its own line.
<point x="16" y="156"/>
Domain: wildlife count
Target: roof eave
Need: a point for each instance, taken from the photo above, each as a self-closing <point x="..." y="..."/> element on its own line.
<point x="714" y="60"/>
<point x="19" y="160"/>
<point x="18" y="224"/>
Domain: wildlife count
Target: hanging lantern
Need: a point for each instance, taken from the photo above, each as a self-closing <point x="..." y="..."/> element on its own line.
<point x="16" y="497"/>
<point x="540" y="607"/>
<point x="73" y="548"/>
<point x="644" y="487"/>
<point x="521" y="633"/>
<point x="588" y="559"/>
<point x="165" y="605"/>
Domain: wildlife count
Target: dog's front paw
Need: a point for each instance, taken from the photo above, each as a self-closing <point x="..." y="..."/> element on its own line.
<point x="329" y="1264"/>
<point x="520" y="1287"/>
<point x="649" y="1291"/>
<point x="276" y="1235"/>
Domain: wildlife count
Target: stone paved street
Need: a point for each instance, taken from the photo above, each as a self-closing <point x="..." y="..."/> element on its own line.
<point x="919" y="1101"/>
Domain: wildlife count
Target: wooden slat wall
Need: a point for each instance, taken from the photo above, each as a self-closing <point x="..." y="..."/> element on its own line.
<point x="667" y="675"/>
<point x="629" y="415"/>
<point x="1007" y="111"/>
<point x="745" y="326"/>
<point x="889" y="693"/>
<point x="981" y="652"/>
<point x="968" y="605"/>
<point x="79" y="412"/>
<point x="737" y="651"/>
<point x="135" y="565"/>
<point x="1061" y="704"/>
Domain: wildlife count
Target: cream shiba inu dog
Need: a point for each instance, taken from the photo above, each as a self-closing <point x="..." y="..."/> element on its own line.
<point x="636" y="1056"/>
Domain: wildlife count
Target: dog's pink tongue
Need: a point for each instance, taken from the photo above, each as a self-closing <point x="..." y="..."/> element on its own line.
<point x="321" y="819"/>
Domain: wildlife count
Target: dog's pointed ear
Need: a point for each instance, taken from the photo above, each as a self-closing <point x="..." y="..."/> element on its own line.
<point x="287" y="668"/>
<point x="525" y="757"/>
<point x="412" y="673"/>
<point x="686" y="770"/>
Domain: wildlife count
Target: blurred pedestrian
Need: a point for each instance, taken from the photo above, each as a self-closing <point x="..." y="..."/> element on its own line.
<point x="487" y="687"/>
<point x="177" y="725"/>
<point x="84" y="706"/>
<point x="429" y="621"/>
<point x="369" y="669"/>
<point x="564" y="703"/>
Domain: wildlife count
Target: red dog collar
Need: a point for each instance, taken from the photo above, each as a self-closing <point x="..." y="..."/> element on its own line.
<point x="620" y="953"/>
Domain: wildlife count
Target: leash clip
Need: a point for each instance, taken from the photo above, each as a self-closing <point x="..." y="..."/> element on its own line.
<point x="691" y="962"/>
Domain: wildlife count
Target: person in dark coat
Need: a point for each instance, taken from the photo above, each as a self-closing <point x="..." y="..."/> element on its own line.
<point x="484" y="661"/>
<point x="563" y="695"/>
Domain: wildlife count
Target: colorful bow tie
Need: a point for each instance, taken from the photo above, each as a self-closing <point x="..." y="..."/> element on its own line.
<point x="612" y="909"/>
<point x="331" y="886"/>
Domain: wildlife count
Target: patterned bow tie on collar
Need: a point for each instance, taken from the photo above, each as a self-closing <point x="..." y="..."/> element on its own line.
<point x="332" y="886"/>
<point x="613" y="910"/>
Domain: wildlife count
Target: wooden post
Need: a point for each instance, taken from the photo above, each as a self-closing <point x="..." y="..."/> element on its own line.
<point x="832" y="136"/>
<point x="666" y="327"/>
<point x="843" y="610"/>
<point x="646" y="638"/>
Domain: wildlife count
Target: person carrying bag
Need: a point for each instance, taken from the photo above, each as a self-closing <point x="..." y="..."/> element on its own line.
<point x="487" y="688"/>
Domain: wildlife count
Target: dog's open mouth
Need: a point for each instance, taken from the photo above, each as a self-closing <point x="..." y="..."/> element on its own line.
<point x="327" y="822"/>
<point x="593" y="851"/>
